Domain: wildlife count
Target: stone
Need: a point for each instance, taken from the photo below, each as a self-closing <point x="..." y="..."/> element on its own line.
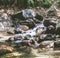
<point x="47" y="45"/>
<point x="4" y="48"/>
<point x="5" y="22"/>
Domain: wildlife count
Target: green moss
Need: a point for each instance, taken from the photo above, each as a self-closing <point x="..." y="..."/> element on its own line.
<point x="58" y="1"/>
<point x="47" y="3"/>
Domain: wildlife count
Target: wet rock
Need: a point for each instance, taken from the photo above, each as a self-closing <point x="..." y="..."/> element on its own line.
<point x="24" y="27"/>
<point x="39" y="17"/>
<point x="50" y="21"/>
<point x="4" y="48"/>
<point x="21" y="28"/>
<point x="47" y="45"/>
<point x="28" y="16"/>
<point x="47" y="37"/>
<point x="40" y="28"/>
<point x="50" y="30"/>
<point x="46" y="23"/>
<point x="51" y="13"/>
<point x="11" y="30"/>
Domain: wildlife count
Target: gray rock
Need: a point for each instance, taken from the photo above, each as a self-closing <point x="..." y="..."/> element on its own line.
<point x="5" y="22"/>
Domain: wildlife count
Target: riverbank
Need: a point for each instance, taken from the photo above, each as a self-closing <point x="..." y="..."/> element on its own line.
<point x="34" y="54"/>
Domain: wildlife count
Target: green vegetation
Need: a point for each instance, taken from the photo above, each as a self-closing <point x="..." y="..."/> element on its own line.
<point x="47" y="3"/>
<point x="25" y="3"/>
<point x="58" y="2"/>
<point x="16" y="3"/>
